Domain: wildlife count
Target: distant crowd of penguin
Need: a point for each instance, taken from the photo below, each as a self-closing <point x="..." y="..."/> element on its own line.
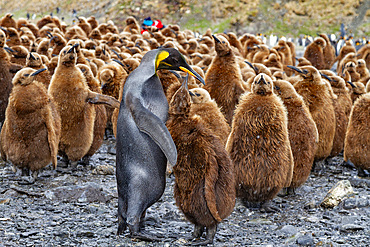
<point x="234" y="116"/>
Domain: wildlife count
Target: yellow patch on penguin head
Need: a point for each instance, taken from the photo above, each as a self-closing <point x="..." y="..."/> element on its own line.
<point x="162" y="55"/>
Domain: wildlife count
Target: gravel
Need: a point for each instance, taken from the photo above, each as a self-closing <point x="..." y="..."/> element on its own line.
<point x="65" y="208"/>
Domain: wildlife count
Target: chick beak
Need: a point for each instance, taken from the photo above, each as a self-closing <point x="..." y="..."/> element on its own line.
<point x="38" y="72"/>
<point x="216" y="39"/>
<point x="352" y="85"/>
<point x="262" y="79"/>
<point x="326" y="77"/>
<point x="32" y="57"/>
<point x="296" y="69"/>
<point x="192" y="72"/>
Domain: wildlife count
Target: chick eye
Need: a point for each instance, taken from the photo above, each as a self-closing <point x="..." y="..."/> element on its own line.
<point x="197" y="94"/>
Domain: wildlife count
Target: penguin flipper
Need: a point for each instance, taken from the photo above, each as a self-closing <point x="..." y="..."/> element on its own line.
<point x="151" y="125"/>
<point x="97" y="98"/>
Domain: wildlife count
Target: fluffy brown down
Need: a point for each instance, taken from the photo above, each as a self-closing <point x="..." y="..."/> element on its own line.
<point x="211" y="115"/>
<point x="69" y="88"/>
<point x="31" y="131"/>
<point x="314" y="53"/>
<point x="204" y="178"/>
<point x="320" y="103"/>
<point x="100" y="111"/>
<point x="34" y="61"/>
<point x="342" y="108"/>
<point x="356" y="147"/>
<point x="329" y="52"/>
<point x="259" y="145"/>
<point x="224" y="80"/>
<point x="302" y="130"/>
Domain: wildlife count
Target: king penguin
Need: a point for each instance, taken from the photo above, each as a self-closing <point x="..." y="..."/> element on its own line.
<point x="144" y="144"/>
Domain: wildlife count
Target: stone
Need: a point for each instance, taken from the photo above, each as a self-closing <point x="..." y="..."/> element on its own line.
<point x="91" y="192"/>
<point x="336" y="194"/>
<point x="305" y="240"/>
<point x="104" y="170"/>
<point x="351" y="227"/>
<point x="4" y="200"/>
<point x="288" y="230"/>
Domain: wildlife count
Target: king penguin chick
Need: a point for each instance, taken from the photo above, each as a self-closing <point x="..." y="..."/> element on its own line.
<point x="73" y="97"/>
<point x="356" y="145"/>
<point x="342" y="108"/>
<point x="317" y="97"/>
<point x="329" y="52"/>
<point x="259" y="144"/>
<point x="143" y="142"/>
<point x="204" y="177"/>
<point x="224" y="79"/>
<point x="303" y="134"/>
<point x="100" y="113"/>
<point x="211" y="115"/>
<point x="315" y="53"/>
<point x="30" y="135"/>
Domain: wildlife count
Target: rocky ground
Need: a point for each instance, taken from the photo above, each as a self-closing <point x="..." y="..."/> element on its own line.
<point x="65" y="208"/>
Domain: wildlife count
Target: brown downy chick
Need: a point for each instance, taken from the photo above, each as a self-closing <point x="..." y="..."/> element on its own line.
<point x="73" y="99"/>
<point x="356" y="88"/>
<point x="351" y="68"/>
<point x="302" y="61"/>
<point x="319" y="100"/>
<point x="8" y="21"/>
<point x="95" y="34"/>
<point x="350" y="57"/>
<point x="315" y="53"/>
<point x="362" y="70"/>
<point x="204" y="178"/>
<point x="224" y="79"/>
<point x="34" y="61"/>
<point x="356" y="147"/>
<point x="211" y="115"/>
<point x="364" y="53"/>
<point x="171" y="79"/>
<point x="84" y="25"/>
<point x="131" y="24"/>
<point x="329" y="52"/>
<point x="292" y="51"/>
<point x="346" y="49"/>
<point x="53" y="63"/>
<point x="93" y="22"/>
<point x="262" y="53"/>
<point x="19" y="53"/>
<point x="250" y="43"/>
<point x="130" y="64"/>
<point x="57" y="42"/>
<point x="101" y="114"/>
<point x="342" y="108"/>
<point x="13" y="37"/>
<point x="260" y="133"/>
<point x="273" y="61"/>
<point x="31" y="131"/>
<point x="303" y="134"/>
<point x="43" y="48"/>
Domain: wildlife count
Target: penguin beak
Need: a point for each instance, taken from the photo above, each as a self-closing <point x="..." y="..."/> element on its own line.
<point x="262" y="80"/>
<point x="296" y="58"/>
<point x="326" y="77"/>
<point x="32" y="57"/>
<point x="52" y="38"/>
<point x="296" y="69"/>
<point x="9" y="49"/>
<point x="352" y="85"/>
<point x="38" y="72"/>
<point x="253" y="67"/>
<point x="119" y="62"/>
<point x="192" y="94"/>
<point x="71" y="49"/>
<point x="192" y="72"/>
<point x="216" y="39"/>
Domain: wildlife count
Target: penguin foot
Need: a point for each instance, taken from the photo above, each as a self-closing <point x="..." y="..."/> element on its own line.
<point x="198" y="231"/>
<point x="348" y="164"/>
<point x="145" y="236"/>
<point x="287" y="192"/>
<point x="211" y="232"/>
<point x="85" y="161"/>
<point x="363" y="173"/>
<point x="269" y="208"/>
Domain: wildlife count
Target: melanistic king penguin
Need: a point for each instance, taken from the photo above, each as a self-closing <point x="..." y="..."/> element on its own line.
<point x="144" y="144"/>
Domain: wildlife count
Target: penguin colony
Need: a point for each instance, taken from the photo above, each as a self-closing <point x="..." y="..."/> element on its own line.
<point x="256" y="127"/>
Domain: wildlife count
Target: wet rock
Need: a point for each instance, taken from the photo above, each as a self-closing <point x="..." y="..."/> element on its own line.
<point x="85" y="233"/>
<point x="305" y="240"/>
<point x="336" y="194"/>
<point x="357" y="202"/>
<point x="104" y="170"/>
<point x="310" y="205"/>
<point x="288" y="230"/>
<point x="91" y="192"/>
<point x="27" y="234"/>
<point x="351" y="227"/>
<point x="359" y="182"/>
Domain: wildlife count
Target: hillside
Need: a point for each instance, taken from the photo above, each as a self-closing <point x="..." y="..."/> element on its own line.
<point x="282" y="17"/>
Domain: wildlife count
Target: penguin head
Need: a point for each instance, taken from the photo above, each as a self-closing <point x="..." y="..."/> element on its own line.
<point x="68" y="56"/>
<point x="26" y="76"/>
<point x="320" y="42"/>
<point x="222" y="46"/>
<point x="262" y="84"/>
<point x="171" y="59"/>
<point x="33" y="60"/>
<point x="306" y="71"/>
<point x="199" y="95"/>
<point x="350" y="66"/>
<point x="337" y="82"/>
<point x="86" y="71"/>
<point x="181" y="101"/>
<point x="361" y="63"/>
<point x="284" y="89"/>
